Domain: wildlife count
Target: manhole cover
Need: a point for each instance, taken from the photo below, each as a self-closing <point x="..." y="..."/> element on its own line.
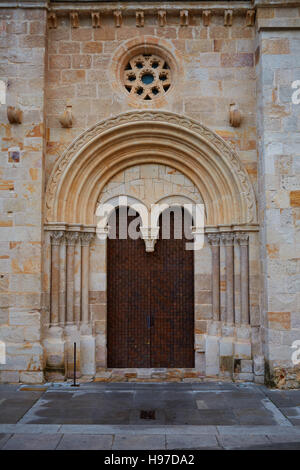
<point x="147" y="414"/>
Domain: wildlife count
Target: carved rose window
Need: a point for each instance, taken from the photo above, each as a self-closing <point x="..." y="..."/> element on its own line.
<point x="147" y="76"/>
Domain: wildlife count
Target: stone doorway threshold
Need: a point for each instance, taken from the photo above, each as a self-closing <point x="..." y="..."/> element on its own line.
<point x="152" y="375"/>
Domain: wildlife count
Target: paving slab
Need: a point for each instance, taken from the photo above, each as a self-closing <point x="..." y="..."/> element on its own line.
<point x="274" y="446"/>
<point x="190" y="441"/>
<point x="3" y="439"/>
<point x="14" y="404"/>
<point x="283" y="398"/>
<point x="32" y="442"/>
<point x="242" y="441"/>
<point x="201" y="417"/>
<point x="257" y="416"/>
<point x="37" y="428"/>
<point x="86" y="442"/>
<point x="11" y="387"/>
<point x="7" y="428"/>
<point x="283" y="437"/>
<point x="261" y="430"/>
<point x="139" y="442"/>
<point x="291" y="411"/>
<point x="294" y="421"/>
<point x="120" y="404"/>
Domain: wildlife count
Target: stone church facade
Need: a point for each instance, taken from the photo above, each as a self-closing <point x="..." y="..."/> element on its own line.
<point x="181" y="103"/>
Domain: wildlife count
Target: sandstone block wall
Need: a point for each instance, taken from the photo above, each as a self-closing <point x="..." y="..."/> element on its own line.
<point x="278" y="66"/>
<point x="22" y="69"/>
<point x="216" y="65"/>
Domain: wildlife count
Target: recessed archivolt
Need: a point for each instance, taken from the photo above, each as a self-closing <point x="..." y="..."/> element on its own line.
<point x="137" y="138"/>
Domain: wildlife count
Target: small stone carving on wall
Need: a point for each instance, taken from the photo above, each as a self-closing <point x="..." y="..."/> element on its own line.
<point x="66" y="119"/>
<point x="14" y="115"/>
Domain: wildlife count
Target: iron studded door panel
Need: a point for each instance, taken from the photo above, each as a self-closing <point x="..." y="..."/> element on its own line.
<point x="172" y="303"/>
<point x="128" y="336"/>
<point x="150" y="304"/>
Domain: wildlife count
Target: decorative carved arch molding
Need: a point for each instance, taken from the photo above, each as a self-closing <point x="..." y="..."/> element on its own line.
<point x="110" y="146"/>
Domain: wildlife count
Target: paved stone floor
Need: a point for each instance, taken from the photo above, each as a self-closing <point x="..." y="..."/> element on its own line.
<point x="212" y="415"/>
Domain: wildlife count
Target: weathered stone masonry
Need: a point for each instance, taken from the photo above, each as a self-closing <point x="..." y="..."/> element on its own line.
<point x="87" y="135"/>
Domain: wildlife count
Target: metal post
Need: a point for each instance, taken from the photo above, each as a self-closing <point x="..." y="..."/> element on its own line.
<point x="74" y="378"/>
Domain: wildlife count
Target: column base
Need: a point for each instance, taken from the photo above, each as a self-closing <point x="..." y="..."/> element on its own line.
<point x="54" y="349"/>
<point x="72" y="335"/>
<point x="87" y="351"/>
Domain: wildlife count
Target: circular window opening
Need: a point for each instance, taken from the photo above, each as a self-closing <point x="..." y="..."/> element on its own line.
<point x="147" y="76"/>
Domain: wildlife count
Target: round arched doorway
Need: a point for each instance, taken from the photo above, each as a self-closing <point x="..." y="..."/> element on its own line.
<point x="177" y="159"/>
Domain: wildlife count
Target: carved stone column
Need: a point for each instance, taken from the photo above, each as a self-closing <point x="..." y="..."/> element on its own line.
<point x="85" y="239"/>
<point x="228" y="241"/>
<point x="56" y="238"/>
<point x="62" y="282"/>
<point x="71" y="238"/>
<point x="71" y="330"/>
<point x="54" y="346"/>
<point x="214" y="240"/>
<point x="243" y="240"/>
<point x="87" y="341"/>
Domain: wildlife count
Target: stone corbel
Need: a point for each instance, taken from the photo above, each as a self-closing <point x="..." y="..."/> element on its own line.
<point x="14" y="115"/>
<point x="118" y="18"/>
<point x="74" y="18"/>
<point x="250" y="18"/>
<point x="95" y="19"/>
<point x="235" y="116"/>
<point x="66" y="119"/>
<point x="150" y="236"/>
<point x="140" y="19"/>
<point x="184" y="18"/>
<point x="228" y="15"/>
<point x="162" y="17"/>
<point x="206" y="16"/>
<point x="52" y="20"/>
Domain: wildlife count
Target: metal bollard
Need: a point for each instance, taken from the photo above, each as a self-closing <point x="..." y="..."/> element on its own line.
<point x="74" y="378"/>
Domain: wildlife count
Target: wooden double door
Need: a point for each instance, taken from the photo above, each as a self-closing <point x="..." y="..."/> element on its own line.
<point x="150" y="303"/>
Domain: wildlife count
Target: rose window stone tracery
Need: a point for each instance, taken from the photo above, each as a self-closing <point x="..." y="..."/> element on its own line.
<point x="147" y="76"/>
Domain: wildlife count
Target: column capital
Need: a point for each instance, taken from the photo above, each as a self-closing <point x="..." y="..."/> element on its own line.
<point x="57" y="237"/>
<point x="242" y="238"/>
<point x="86" y="238"/>
<point x="213" y="239"/>
<point x="71" y="238"/>
<point x="227" y="239"/>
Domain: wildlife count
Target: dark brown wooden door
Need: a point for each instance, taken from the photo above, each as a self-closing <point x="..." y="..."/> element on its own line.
<point x="150" y="303"/>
